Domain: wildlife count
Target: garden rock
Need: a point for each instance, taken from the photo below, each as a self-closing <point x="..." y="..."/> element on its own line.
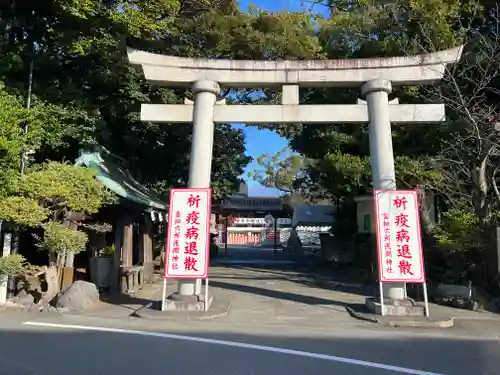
<point x="24" y="298"/>
<point x="47" y="308"/>
<point x="80" y="296"/>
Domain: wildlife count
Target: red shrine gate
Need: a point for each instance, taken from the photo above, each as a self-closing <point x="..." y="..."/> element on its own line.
<point x="262" y="229"/>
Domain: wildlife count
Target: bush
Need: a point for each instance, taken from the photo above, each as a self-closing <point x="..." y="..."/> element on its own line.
<point x="60" y="239"/>
<point x="21" y="210"/>
<point x="461" y="241"/>
<point x="15" y="265"/>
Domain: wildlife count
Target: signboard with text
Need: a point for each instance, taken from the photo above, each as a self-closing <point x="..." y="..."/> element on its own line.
<point x="252" y="204"/>
<point x="399" y="241"/>
<point x="188" y="235"/>
<point x="260" y="220"/>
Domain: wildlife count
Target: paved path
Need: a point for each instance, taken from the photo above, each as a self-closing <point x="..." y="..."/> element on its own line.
<point x="258" y="286"/>
<point x="266" y="287"/>
<point x="274" y="288"/>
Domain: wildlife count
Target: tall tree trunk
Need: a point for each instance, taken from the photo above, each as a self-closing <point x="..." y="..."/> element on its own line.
<point x="480" y="190"/>
<point x="426" y="212"/>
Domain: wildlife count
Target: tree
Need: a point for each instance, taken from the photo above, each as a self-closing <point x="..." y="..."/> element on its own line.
<point x="471" y="91"/>
<point x="80" y="60"/>
<point x="285" y="171"/>
<point x="46" y="122"/>
<point x="340" y="153"/>
<point x="49" y="197"/>
<point x="80" y="63"/>
<point x="279" y="171"/>
<point x="456" y="158"/>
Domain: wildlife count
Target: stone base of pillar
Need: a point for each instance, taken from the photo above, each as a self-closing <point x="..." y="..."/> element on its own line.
<point x="176" y="302"/>
<point x="149" y="272"/>
<point x="132" y="279"/>
<point x="406" y="307"/>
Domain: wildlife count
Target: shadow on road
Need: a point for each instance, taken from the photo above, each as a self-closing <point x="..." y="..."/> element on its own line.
<point x="282" y="295"/>
<point x="301" y="268"/>
<point x="335" y="280"/>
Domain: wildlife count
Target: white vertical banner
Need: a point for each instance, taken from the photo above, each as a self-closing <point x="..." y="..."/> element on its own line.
<point x="188" y="234"/>
<point x="399" y="240"/>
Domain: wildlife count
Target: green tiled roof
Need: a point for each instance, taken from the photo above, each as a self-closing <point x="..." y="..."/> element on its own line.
<point x="118" y="179"/>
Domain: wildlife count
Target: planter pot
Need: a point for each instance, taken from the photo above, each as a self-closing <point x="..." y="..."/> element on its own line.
<point x="101" y="270"/>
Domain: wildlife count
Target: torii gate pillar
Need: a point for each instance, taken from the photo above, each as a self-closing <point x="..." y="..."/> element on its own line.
<point x="376" y="93"/>
<point x="200" y="166"/>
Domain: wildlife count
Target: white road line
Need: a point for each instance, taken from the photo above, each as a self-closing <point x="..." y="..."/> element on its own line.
<point x="234" y="344"/>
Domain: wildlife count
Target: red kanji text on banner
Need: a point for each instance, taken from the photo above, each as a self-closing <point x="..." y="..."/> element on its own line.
<point x="399" y="239"/>
<point x="188" y="234"/>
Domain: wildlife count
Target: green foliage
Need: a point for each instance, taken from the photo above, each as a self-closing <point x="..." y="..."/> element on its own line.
<point x="98" y="227"/>
<point x="81" y="69"/>
<point x="22" y="210"/>
<point x="60" y="239"/>
<point x="107" y="252"/>
<point x="55" y="190"/>
<point x="61" y="185"/>
<point x="43" y="122"/>
<point x="462" y="242"/>
<point x="371" y="28"/>
<point x="459" y="232"/>
<point x="15" y="265"/>
<point x="52" y="191"/>
<point x="279" y="171"/>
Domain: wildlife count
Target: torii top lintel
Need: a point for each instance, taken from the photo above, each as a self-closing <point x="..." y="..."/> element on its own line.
<point x="175" y="71"/>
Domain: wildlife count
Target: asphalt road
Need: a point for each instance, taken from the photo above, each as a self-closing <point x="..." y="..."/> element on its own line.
<point x="75" y="349"/>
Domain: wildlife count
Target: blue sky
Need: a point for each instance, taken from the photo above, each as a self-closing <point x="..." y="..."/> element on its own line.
<point x="258" y="141"/>
<point x="273" y="4"/>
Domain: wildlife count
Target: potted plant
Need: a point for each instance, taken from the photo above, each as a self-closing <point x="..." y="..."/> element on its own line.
<point x="101" y="267"/>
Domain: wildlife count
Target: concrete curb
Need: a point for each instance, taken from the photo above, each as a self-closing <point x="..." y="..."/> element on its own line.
<point x="218" y="311"/>
<point x="394" y="321"/>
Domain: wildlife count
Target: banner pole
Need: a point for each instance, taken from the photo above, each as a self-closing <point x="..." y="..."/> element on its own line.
<point x="164" y="294"/>
<point x="426" y="300"/>
<point x="206" y="294"/>
<point x="381" y="298"/>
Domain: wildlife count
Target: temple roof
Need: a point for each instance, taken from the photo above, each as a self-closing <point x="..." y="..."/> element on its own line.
<point x="313" y="215"/>
<point x="118" y="179"/>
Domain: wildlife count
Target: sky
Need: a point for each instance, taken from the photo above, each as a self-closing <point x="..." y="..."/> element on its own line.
<point x="259" y="142"/>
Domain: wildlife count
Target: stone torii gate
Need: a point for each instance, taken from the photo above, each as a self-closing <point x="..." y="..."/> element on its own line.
<point x="375" y="77"/>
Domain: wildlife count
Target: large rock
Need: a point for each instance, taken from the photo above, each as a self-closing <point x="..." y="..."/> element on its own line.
<point x="24" y="298"/>
<point x="80" y="296"/>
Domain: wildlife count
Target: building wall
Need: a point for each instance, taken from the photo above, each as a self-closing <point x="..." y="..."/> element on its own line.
<point x="365" y="212"/>
<point x="364" y="215"/>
